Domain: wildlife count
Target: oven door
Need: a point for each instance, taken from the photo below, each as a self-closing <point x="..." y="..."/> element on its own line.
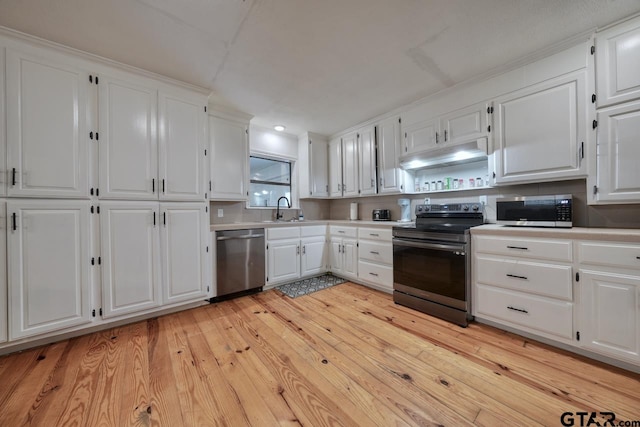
<point x="435" y="271"/>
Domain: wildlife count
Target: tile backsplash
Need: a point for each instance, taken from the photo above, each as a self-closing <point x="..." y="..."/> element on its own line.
<point x="613" y="216"/>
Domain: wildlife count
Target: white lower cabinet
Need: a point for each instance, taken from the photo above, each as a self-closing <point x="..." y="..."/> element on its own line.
<point x="525" y="283"/>
<point x="48" y="266"/>
<point x="295" y="252"/>
<point x="609" y="279"/>
<point x="610" y="314"/>
<point x="344" y="251"/>
<point x="184" y="245"/>
<point x="3" y="272"/>
<point x="130" y="257"/>
<point x="582" y="293"/>
<point x="375" y="258"/>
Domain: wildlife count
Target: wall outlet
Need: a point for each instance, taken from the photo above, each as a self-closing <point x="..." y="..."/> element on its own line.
<point x="483" y="200"/>
<point x="220" y="213"/>
<point x="427" y="200"/>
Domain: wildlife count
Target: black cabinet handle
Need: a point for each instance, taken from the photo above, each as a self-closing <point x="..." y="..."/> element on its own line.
<point x="162" y="185"/>
<point x="154" y="219"/>
<point x="153" y="185"/>
<point x="373" y="274"/>
<point x="374" y="252"/>
<point x="522" y="248"/>
<point x="518" y="309"/>
<point x="13" y="176"/>
<point x="517" y="277"/>
<point x="164" y="218"/>
<point x="14" y="226"/>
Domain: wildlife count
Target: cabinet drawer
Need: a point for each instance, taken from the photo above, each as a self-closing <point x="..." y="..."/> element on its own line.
<point x="543" y="279"/>
<point x="313" y="230"/>
<point x="375" y="234"/>
<point x="283" y="233"/>
<point x="337" y="230"/>
<point x="609" y="254"/>
<point x="542" y="314"/>
<point x="376" y="252"/>
<point x="549" y="249"/>
<point x="380" y="274"/>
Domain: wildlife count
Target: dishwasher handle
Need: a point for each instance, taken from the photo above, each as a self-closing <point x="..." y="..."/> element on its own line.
<point x="242" y="237"/>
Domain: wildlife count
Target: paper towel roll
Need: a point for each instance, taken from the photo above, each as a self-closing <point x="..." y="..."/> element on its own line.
<point x="354" y="211"/>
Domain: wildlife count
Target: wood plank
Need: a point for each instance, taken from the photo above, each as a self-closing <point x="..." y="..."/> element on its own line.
<point x="346" y="355"/>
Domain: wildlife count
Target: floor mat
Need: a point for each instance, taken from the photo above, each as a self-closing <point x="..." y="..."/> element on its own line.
<point x="307" y="286"/>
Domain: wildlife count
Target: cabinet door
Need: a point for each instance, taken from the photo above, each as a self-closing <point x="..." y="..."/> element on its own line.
<point x="540" y="131"/>
<point x="610" y="314"/>
<point x="48" y="246"/>
<point x="3" y="135"/>
<point x="335" y="168"/>
<point x="314" y="257"/>
<point x="350" y="165"/>
<point x="350" y="254"/>
<point x="130" y="257"/>
<point x="617" y="63"/>
<point x="318" y="168"/>
<point x="465" y="125"/>
<point x="388" y="135"/>
<point x="47" y="137"/>
<point x="128" y="145"/>
<point x="337" y="259"/>
<point x="3" y="272"/>
<point x="182" y="133"/>
<point x="183" y="242"/>
<point x="618" y="175"/>
<point x="283" y="260"/>
<point x="367" y="160"/>
<point x="421" y="136"/>
<point x="229" y="157"/>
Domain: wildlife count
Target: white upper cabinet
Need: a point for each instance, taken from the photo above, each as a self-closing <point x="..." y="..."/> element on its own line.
<point x="350" y="165"/>
<point x="335" y="168"/>
<point x="541" y="131"/>
<point x="131" y="280"/>
<point x="47" y="136"/>
<point x="465" y="125"/>
<point x="184" y="232"/>
<point x="313" y="157"/>
<point x="389" y="151"/>
<point x="420" y="136"/>
<point x="617" y="178"/>
<point x="367" y="161"/>
<point x="229" y="159"/>
<point x="182" y="141"/>
<point x="48" y="246"/>
<point x="128" y="147"/>
<point x="617" y="63"/>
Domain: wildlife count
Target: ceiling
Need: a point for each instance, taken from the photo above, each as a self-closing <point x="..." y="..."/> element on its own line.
<point x="313" y="65"/>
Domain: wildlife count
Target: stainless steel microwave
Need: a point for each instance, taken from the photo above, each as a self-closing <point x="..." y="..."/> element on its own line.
<point x="536" y="211"/>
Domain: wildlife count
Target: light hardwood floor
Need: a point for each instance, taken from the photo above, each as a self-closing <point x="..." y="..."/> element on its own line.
<point x="346" y="355"/>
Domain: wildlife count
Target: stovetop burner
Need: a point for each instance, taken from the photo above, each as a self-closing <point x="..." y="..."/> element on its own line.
<point x="454" y="218"/>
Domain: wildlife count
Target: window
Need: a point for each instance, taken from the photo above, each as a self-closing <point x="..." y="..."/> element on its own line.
<point x="269" y="180"/>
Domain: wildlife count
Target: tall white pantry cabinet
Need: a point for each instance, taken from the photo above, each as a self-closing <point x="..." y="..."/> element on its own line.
<point x="103" y="175"/>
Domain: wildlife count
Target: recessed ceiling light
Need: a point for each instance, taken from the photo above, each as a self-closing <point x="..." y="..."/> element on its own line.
<point x="279" y="128"/>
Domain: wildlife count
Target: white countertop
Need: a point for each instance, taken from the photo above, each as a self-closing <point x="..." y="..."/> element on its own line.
<point x="631" y="235"/>
<point x="356" y="223"/>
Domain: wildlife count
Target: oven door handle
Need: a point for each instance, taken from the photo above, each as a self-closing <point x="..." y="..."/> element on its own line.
<point x="428" y="245"/>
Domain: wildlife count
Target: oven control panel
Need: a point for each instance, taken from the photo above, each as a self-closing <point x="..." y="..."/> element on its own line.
<point x="450" y="208"/>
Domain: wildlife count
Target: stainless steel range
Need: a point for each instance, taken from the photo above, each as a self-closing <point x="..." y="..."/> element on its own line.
<point x="432" y="260"/>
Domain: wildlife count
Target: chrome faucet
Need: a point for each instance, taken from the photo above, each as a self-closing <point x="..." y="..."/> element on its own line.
<point x="278" y="214"/>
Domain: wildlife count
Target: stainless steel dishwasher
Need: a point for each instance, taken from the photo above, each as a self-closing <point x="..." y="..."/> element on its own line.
<point x="240" y="257"/>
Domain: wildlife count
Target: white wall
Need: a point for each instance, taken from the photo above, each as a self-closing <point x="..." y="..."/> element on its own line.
<point x="271" y="143"/>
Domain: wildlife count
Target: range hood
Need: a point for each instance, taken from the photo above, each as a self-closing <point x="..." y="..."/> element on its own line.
<point x="473" y="151"/>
